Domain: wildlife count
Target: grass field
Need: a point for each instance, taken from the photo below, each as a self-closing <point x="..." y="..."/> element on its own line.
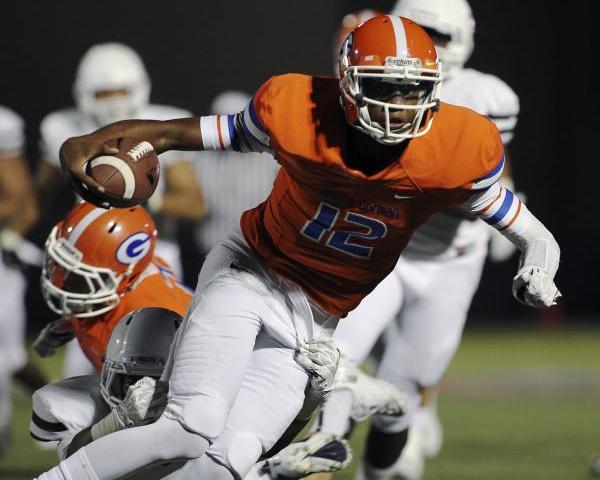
<point x="516" y="405"/>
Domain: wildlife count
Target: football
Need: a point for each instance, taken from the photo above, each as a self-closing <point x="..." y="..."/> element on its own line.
<point x="129" y="176"/>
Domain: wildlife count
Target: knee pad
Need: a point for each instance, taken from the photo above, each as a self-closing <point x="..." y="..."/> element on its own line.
<point x="202" y="414"/>
<point x="177" y="442"/>
<point x="244" y="451"/>
<point x="237" y="452"/>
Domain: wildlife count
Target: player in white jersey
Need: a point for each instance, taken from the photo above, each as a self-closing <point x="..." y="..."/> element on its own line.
<point x="75" y="411"/>
<point x="423" y="303"/>
<point x="17" y="213"/>
<point x="112" y="84"/>
<point x="228" y="189"/>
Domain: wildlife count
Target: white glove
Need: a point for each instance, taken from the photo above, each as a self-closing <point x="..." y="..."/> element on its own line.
<point x="533" y="286"/>
<point x="319" y="357"/>
<point x="144" y="403"/>
<point x="52" y="336"/>
<point x="322" y="452"/>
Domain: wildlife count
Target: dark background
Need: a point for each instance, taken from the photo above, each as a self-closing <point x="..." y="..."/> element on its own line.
<point x="193" y="50"/>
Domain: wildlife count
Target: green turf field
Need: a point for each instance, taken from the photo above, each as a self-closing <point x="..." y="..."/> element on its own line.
<point x="515" y="405"/>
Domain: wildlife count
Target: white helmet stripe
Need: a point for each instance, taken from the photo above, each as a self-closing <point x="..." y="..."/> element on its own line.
<point x="400" y="34"/>
<point x="84" y="223"/>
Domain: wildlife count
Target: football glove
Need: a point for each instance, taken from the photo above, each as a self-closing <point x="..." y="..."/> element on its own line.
<point x="321" y="452"/>
<point x="143" y="404"/>
<point x="533" y="286"/>
<point x="52" y="336"/>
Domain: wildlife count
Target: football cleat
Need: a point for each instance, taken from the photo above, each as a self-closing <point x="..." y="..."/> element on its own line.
<point x="321" y="452"/>
<point x="369" y="395"/>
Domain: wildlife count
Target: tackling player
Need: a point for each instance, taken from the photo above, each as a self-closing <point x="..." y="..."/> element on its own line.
<point x="100" y="264"/>
<point x="355" y="182"/>
<point x="74" y="411"/>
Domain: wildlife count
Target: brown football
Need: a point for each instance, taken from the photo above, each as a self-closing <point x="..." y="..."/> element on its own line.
<point x="129" y="176"/>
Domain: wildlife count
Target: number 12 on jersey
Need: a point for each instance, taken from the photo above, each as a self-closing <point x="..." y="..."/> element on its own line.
<point x="324" y="221"/>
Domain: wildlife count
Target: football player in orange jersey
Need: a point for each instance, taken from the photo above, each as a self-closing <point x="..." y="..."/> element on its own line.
<point x="354" y="184"/>
<point x="99" y="265"/>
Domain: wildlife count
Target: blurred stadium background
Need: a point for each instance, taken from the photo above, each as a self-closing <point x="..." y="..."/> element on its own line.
<point x="521" y="398"/>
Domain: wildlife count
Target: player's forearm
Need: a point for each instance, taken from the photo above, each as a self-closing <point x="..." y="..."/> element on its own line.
<point x="179" y="134"/>
<point x="503" y="210"/>
<point x="80" y="440"/>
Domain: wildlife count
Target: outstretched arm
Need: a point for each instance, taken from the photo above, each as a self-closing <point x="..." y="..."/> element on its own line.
<point x="180" y="134"/>
<point x="540" y="253"/>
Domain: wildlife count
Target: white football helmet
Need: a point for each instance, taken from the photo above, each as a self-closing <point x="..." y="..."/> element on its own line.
<point x="111" y="67"/>
<point x="138" y="347"/>
<point x="450" y="18"/>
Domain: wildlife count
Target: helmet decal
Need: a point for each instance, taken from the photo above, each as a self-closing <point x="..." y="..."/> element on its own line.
<point x="133" y="248"/>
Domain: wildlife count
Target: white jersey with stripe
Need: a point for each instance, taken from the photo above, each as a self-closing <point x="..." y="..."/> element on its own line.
<point x="70" y="122"/>
<point x="12" y="135"/>
<point x="64" y="408"/>
<point x="448" y="233"/>
<point x="231" y="187"/>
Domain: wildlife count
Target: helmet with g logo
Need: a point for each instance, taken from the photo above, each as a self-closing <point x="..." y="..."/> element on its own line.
<point x="94" y="256"/>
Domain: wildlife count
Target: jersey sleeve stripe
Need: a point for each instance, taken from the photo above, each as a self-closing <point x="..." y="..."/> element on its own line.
<point x="503" y="210"/>
<point x="235" y="144"/>
<point x="514" y="217"/>
<point x="42" y="439"/>
<point x="490" y="178"/>
<point x="253" y="128"/>
<point x="254" y="117"/>
<point x="219" y="132"/>
<point x="48" y="426"/>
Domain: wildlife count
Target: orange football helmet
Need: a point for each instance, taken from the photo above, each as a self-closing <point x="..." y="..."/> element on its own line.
<point x="94" y="256"/>
<point x="384" y="57"/>
<point x="349" y="23"/>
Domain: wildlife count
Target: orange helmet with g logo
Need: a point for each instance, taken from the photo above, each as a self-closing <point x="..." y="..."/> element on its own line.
<point x="94" y="256"/>
<point x="389" y="56"/>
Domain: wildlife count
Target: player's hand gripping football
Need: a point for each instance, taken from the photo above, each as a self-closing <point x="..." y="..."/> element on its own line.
<point x="535" y="287"/>
<point x="74" y="155"/>
<point x="52" y="336"/>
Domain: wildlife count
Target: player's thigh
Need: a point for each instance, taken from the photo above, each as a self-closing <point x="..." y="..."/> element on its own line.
<point x="432" y="319"/>
<point x="211" y="355"/>
<point x="357" y="333"/>
<point x="271" y="396"/>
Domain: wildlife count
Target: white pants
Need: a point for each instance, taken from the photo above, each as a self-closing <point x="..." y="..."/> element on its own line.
<point x="422" y="305"/>
<point x="234" y="379"/>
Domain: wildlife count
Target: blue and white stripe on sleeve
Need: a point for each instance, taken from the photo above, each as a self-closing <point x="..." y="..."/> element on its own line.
<point x="254" y="131"/>
<point x="241" y="132"/>
<point x="490" y="178"/>
<point x="497" y="206"/>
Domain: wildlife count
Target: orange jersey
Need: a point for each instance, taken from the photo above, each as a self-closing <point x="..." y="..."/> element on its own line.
<point x="332" y="229"/>
<point x="157" y="288"/>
